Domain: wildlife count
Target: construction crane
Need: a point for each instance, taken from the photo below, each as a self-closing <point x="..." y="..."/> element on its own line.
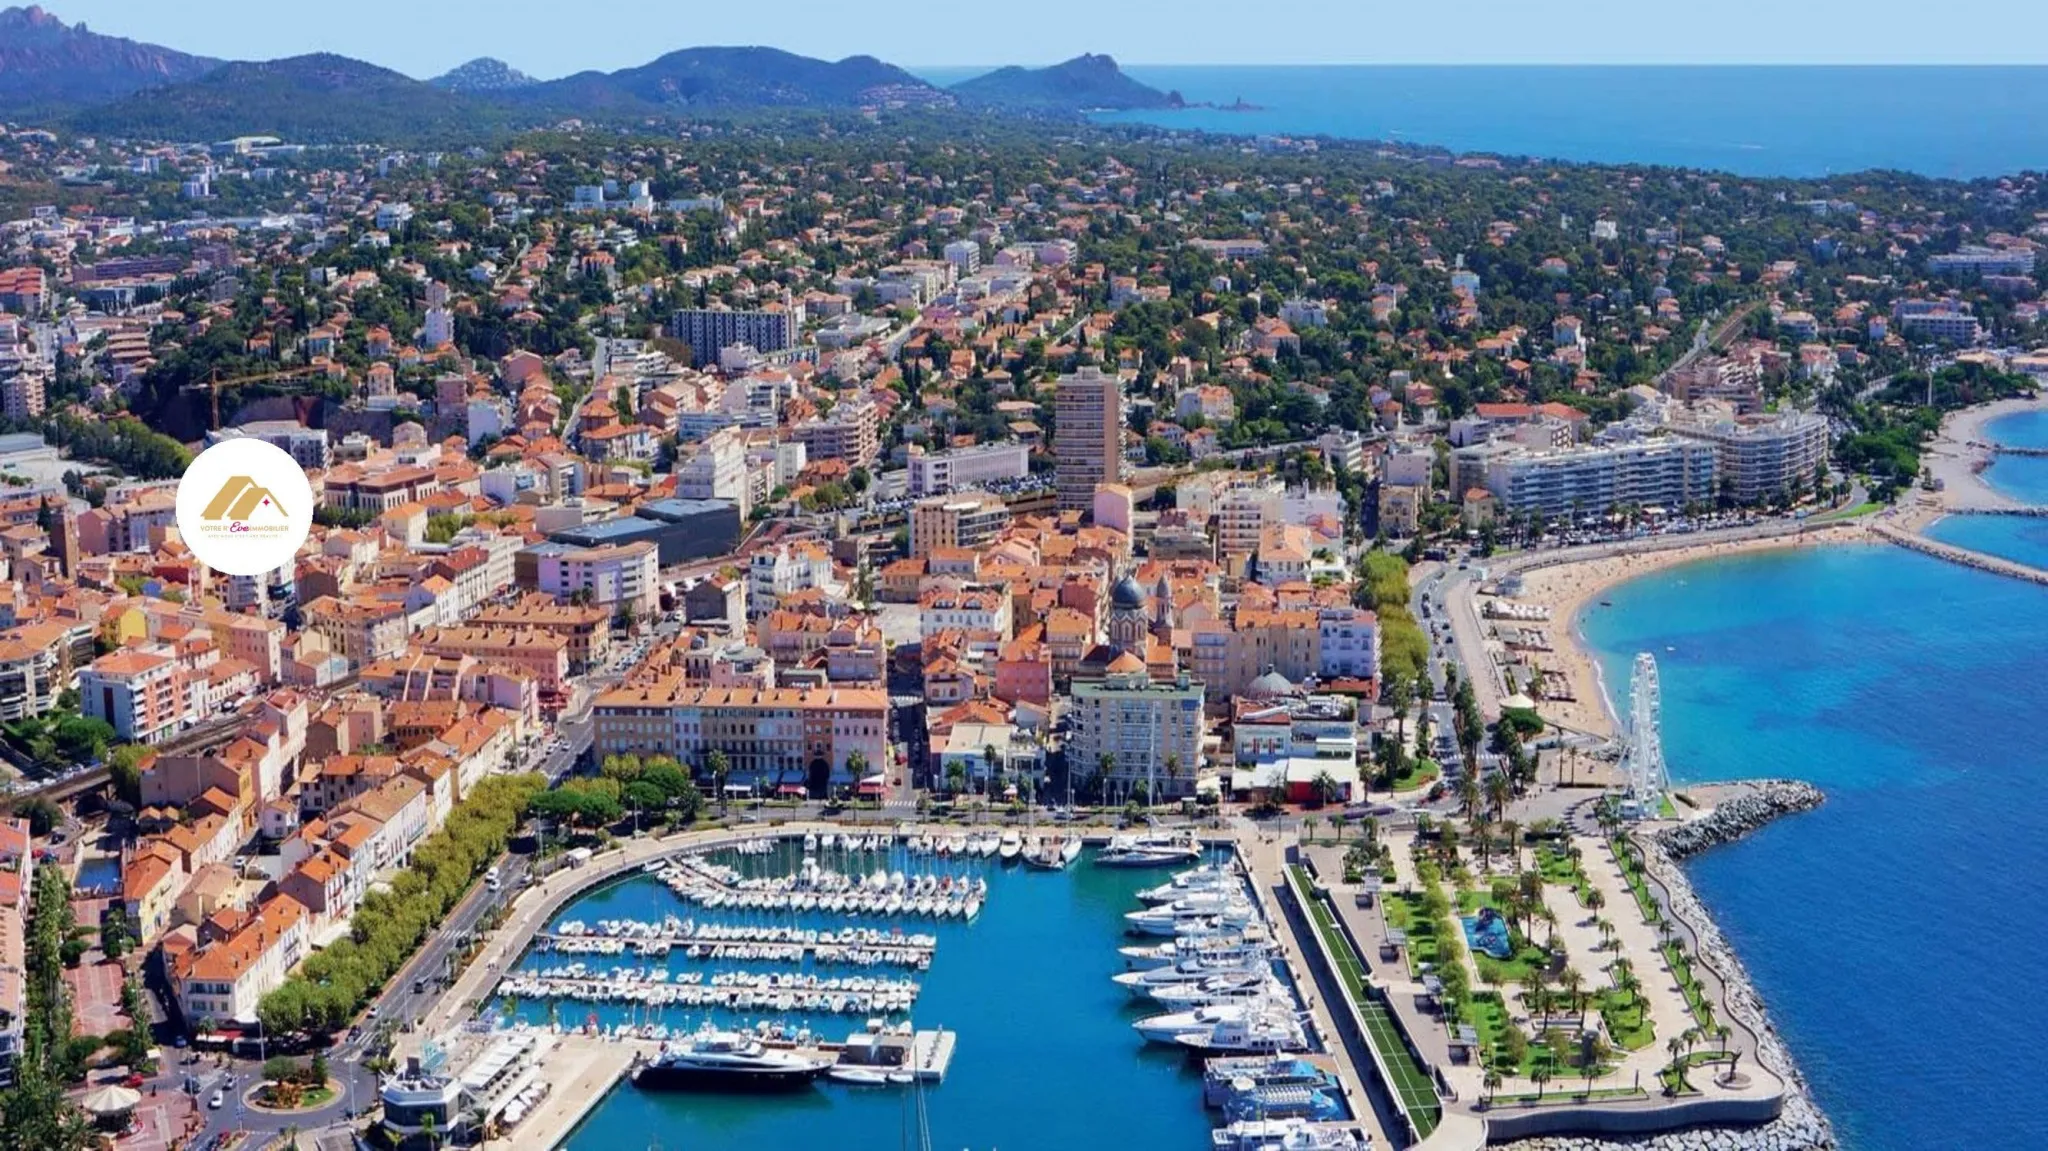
<point x="214" y="384"/>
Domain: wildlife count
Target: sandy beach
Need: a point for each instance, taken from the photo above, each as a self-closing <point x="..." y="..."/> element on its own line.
<point x="1567" y="588"/>
<point x="1956" y="458"/>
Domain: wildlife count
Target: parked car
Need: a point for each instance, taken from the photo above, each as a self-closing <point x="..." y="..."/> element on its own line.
<point x="219" y="1097"/>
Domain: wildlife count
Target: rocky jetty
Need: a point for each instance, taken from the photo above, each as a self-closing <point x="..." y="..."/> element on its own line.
<point x="1730" y="820"/>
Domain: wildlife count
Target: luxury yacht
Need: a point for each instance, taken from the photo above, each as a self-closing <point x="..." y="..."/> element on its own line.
<point x="729" y="1060"/>
<point x="1153" y="849"/>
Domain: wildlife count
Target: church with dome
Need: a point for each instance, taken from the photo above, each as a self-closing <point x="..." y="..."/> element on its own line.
<point x="1139" y="636"/>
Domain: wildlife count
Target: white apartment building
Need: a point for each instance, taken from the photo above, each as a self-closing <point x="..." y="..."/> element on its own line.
<point x="968" y="609"/>
<point x="776" y="572"/>
<point x="1150" y="731"/>
<point x="1347" y="643"/>
<point x="935" y="473"/>
<point x="964" y="255"/>
<point x="1244" y="512"/>
<point x="618" y="576"/>
<point x="718" y="471"/>
<point x="1667" y="473"/>
<point x="1978" y="260"/>
<point x="1759" y="459"/>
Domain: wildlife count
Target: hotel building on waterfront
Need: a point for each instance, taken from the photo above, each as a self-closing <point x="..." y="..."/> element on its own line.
<point x="1759" y="459"/>
<point x="771" y="737"/>
<point x="1141" y="725"/>
<point x="1667" y="473"/>
<point x="1088" y="435"/>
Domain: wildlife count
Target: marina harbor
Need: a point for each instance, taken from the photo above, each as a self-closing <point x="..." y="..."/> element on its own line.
<point x="1291" y="989"/>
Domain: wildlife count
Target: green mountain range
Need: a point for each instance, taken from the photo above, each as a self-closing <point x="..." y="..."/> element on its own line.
<point x="64" y="75"/>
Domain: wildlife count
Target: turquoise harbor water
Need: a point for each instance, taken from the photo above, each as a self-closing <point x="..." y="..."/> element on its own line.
<point x="2022" y="538"/>
<point x="1887" y="930"/>
<point x="1046" y="1061"/>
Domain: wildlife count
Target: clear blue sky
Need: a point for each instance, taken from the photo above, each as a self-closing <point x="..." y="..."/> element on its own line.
<point x="426" y="37"/>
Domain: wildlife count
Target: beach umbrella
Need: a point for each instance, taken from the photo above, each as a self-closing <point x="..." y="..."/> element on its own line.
<point x="113" y="1099"/>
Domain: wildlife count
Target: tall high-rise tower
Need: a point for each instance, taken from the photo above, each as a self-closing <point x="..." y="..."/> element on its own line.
<point x="1088" y="439"/>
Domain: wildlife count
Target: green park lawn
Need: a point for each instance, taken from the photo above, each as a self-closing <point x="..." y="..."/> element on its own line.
<point x="1420" y="774"/>
<point x="1628" y="1022"/>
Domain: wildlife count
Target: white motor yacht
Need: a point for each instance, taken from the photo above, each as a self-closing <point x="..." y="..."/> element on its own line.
<point x="1209" y="877"/>
<point x="1153" y="849"/>
<point x="1170" y="1026"/>
<point x="1234" y="988"/>
<point x="1142" y="983"/>
<point x="1261" y="1029"/>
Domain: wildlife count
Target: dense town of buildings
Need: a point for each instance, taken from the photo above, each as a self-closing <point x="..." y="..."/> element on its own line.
<point x="852" y="475"/>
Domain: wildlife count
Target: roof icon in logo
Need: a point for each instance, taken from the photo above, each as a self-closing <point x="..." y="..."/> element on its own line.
<point x="239" y="499"/>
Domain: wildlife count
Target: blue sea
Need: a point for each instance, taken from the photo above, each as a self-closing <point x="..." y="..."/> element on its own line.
<point x="1889" y="931"/>
<point x="1758" y="121"/>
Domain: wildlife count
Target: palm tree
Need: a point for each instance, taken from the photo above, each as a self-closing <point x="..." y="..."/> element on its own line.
<point x="1511" y="834"/>
<point x="1676" y="1047"/>
<point x="721" y="770"/>
<point x="1573" y="983"/>
<point x="1105" y="766"/>
<point x="1541" y="1075"/>
<point x="1396" y="693"/>
<point x="1172" y="765"/>
<point x="1595" y="899"/>
<point x="956" y="777"/>
<point x="1479" y="829"/>
<point x="1491" y="1082"/>
<point x="988" y="753"/>
<point x="1498" y="792"/>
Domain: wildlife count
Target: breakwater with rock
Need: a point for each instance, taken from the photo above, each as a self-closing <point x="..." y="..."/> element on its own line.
<point x="1800" y="1125"/>
<point x="1758" y="803"/>
<point x="1914" y="541"/>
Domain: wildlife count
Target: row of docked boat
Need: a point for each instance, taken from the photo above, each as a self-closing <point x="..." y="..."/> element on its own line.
<point x="916" y="959"/>
<point x="815" y="888"/>
<point x="1215" y="975"/>
<point x="736" y="990"/>
<point x="815" y="842"/>
<point x="682" y="930"/>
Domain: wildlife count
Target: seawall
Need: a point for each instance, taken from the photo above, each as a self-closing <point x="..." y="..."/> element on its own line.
<point x="1799" y="1125"/>
<point x="1913" y="541"/>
